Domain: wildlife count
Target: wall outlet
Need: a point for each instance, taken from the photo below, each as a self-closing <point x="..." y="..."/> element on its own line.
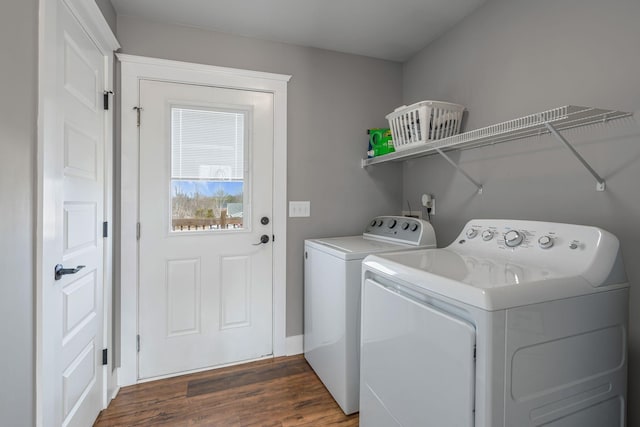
<point x="299" y="209"/>
<point x="414" y="214"/>
<point x="429" y="202"/>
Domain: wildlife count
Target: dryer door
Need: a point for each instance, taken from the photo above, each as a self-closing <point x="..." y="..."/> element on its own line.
<point x="417" y="365"/>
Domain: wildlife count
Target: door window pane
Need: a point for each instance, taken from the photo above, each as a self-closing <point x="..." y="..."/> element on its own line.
<point x="207" y="169"/>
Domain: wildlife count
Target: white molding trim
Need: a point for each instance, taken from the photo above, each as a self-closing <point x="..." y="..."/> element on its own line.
<point x="47" y="22"/>
<point x="114" y="394"/>
<point x="92" y="20"/>
<point x="133" y="69"/>
<point x="203" y="68"/>
<point x="109" y="376"/>
<point x="295" y="345"/>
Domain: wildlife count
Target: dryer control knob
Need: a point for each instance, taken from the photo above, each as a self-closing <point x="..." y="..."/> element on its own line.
<point x="513" y="238"/>
<point x="392" y="223"/>
<point x="545" y="242"/>
<point x="471" y="233"/>
<point x="414" y="227"/>
<point x="373" y="223"/>
<point x="487" y="235"/>
<point x="405" y="225"/>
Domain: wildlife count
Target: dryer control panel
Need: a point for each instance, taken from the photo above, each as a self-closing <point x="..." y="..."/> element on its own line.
<point x="400" y="229"/>
<point x="567" y="248"/>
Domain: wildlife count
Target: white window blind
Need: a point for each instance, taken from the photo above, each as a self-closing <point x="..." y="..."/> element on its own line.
<point x="207" y="144"/>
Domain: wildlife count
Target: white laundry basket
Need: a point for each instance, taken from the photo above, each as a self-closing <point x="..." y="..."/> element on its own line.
<point x="423" y="122"/>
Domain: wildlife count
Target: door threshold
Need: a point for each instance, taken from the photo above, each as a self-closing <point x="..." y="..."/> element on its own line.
<point x="208" y="368"/>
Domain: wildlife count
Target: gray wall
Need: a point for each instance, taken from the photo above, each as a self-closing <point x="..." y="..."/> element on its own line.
<point x="109" y="13"/>
<point x="517" y="57"/>
<point x="18" y="44"/>
<point x="333" y="98"/>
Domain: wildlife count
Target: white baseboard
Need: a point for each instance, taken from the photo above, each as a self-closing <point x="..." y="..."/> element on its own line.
<point x="115" y="393"/>
<point x="295" y="345"/>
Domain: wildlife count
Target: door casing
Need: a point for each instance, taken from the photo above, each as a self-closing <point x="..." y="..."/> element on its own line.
<point x="134" y="68"/>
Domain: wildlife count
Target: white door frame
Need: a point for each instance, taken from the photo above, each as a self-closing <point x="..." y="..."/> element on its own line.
<point x="133" y="69"/>
<point x="94" y="24"/>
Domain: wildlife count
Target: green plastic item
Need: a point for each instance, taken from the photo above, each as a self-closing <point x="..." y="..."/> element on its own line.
<point x="381" y="141"/>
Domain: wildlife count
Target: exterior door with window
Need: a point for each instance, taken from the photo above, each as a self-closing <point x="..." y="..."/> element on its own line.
<point x="205" y="284"/>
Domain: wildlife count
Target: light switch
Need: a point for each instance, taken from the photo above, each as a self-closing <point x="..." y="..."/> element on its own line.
<point x="299" y="209"/>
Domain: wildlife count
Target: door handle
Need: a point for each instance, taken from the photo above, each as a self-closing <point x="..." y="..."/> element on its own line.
<point x="61" y="271"/>
<point x="263" y="240"/>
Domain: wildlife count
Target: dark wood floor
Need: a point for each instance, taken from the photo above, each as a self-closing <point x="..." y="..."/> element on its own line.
<point x="279" y="392"/>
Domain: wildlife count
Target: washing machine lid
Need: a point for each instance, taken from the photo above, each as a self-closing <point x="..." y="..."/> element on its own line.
<point x="354" y="247"/>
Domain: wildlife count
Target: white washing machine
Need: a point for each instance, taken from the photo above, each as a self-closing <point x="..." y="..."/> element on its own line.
<point x="332" y="279"/>
<point x="515" y="324"/>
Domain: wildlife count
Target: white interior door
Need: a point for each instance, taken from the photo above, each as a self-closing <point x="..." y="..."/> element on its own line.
<point x="73" y="167"/>
<point x="206" y="177"/>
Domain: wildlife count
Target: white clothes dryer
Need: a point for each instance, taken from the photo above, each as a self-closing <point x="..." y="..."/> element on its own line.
<point x="516" y="323"/>
<point x="332" y="279"/>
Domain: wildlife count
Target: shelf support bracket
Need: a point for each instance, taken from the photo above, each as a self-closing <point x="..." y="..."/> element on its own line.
<point x="459" y="169"/>
<point x="600" y="186"/>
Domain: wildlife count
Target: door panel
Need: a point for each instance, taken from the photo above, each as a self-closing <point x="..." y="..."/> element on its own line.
<point x="183" y="297"/>
<point x="235" y="292"/>
<point x="206" y="173"/>
<point x="74" y="169"/>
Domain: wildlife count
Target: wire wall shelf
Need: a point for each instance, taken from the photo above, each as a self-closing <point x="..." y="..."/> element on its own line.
<point x="547" y="122"/>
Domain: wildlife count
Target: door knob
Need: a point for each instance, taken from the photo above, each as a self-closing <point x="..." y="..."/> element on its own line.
<point x="263" y="239"/>
<point x="60" y="271"/>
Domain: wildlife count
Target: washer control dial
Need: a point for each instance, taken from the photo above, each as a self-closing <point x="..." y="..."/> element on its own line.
<point x="513" y="238"/>
<point x="392" y="223"/>
<point x="487" y="235"/>
<point x="414" y="227"/>
<point x="405" y="225"/>
<point x="380" y="223"/>
<point x="545" y="242"/>
<point x="373" y="223"/>
<point x="471" y="233"/>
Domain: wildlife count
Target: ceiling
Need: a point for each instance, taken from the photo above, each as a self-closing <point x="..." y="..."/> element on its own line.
<point x="386" y="29"/>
